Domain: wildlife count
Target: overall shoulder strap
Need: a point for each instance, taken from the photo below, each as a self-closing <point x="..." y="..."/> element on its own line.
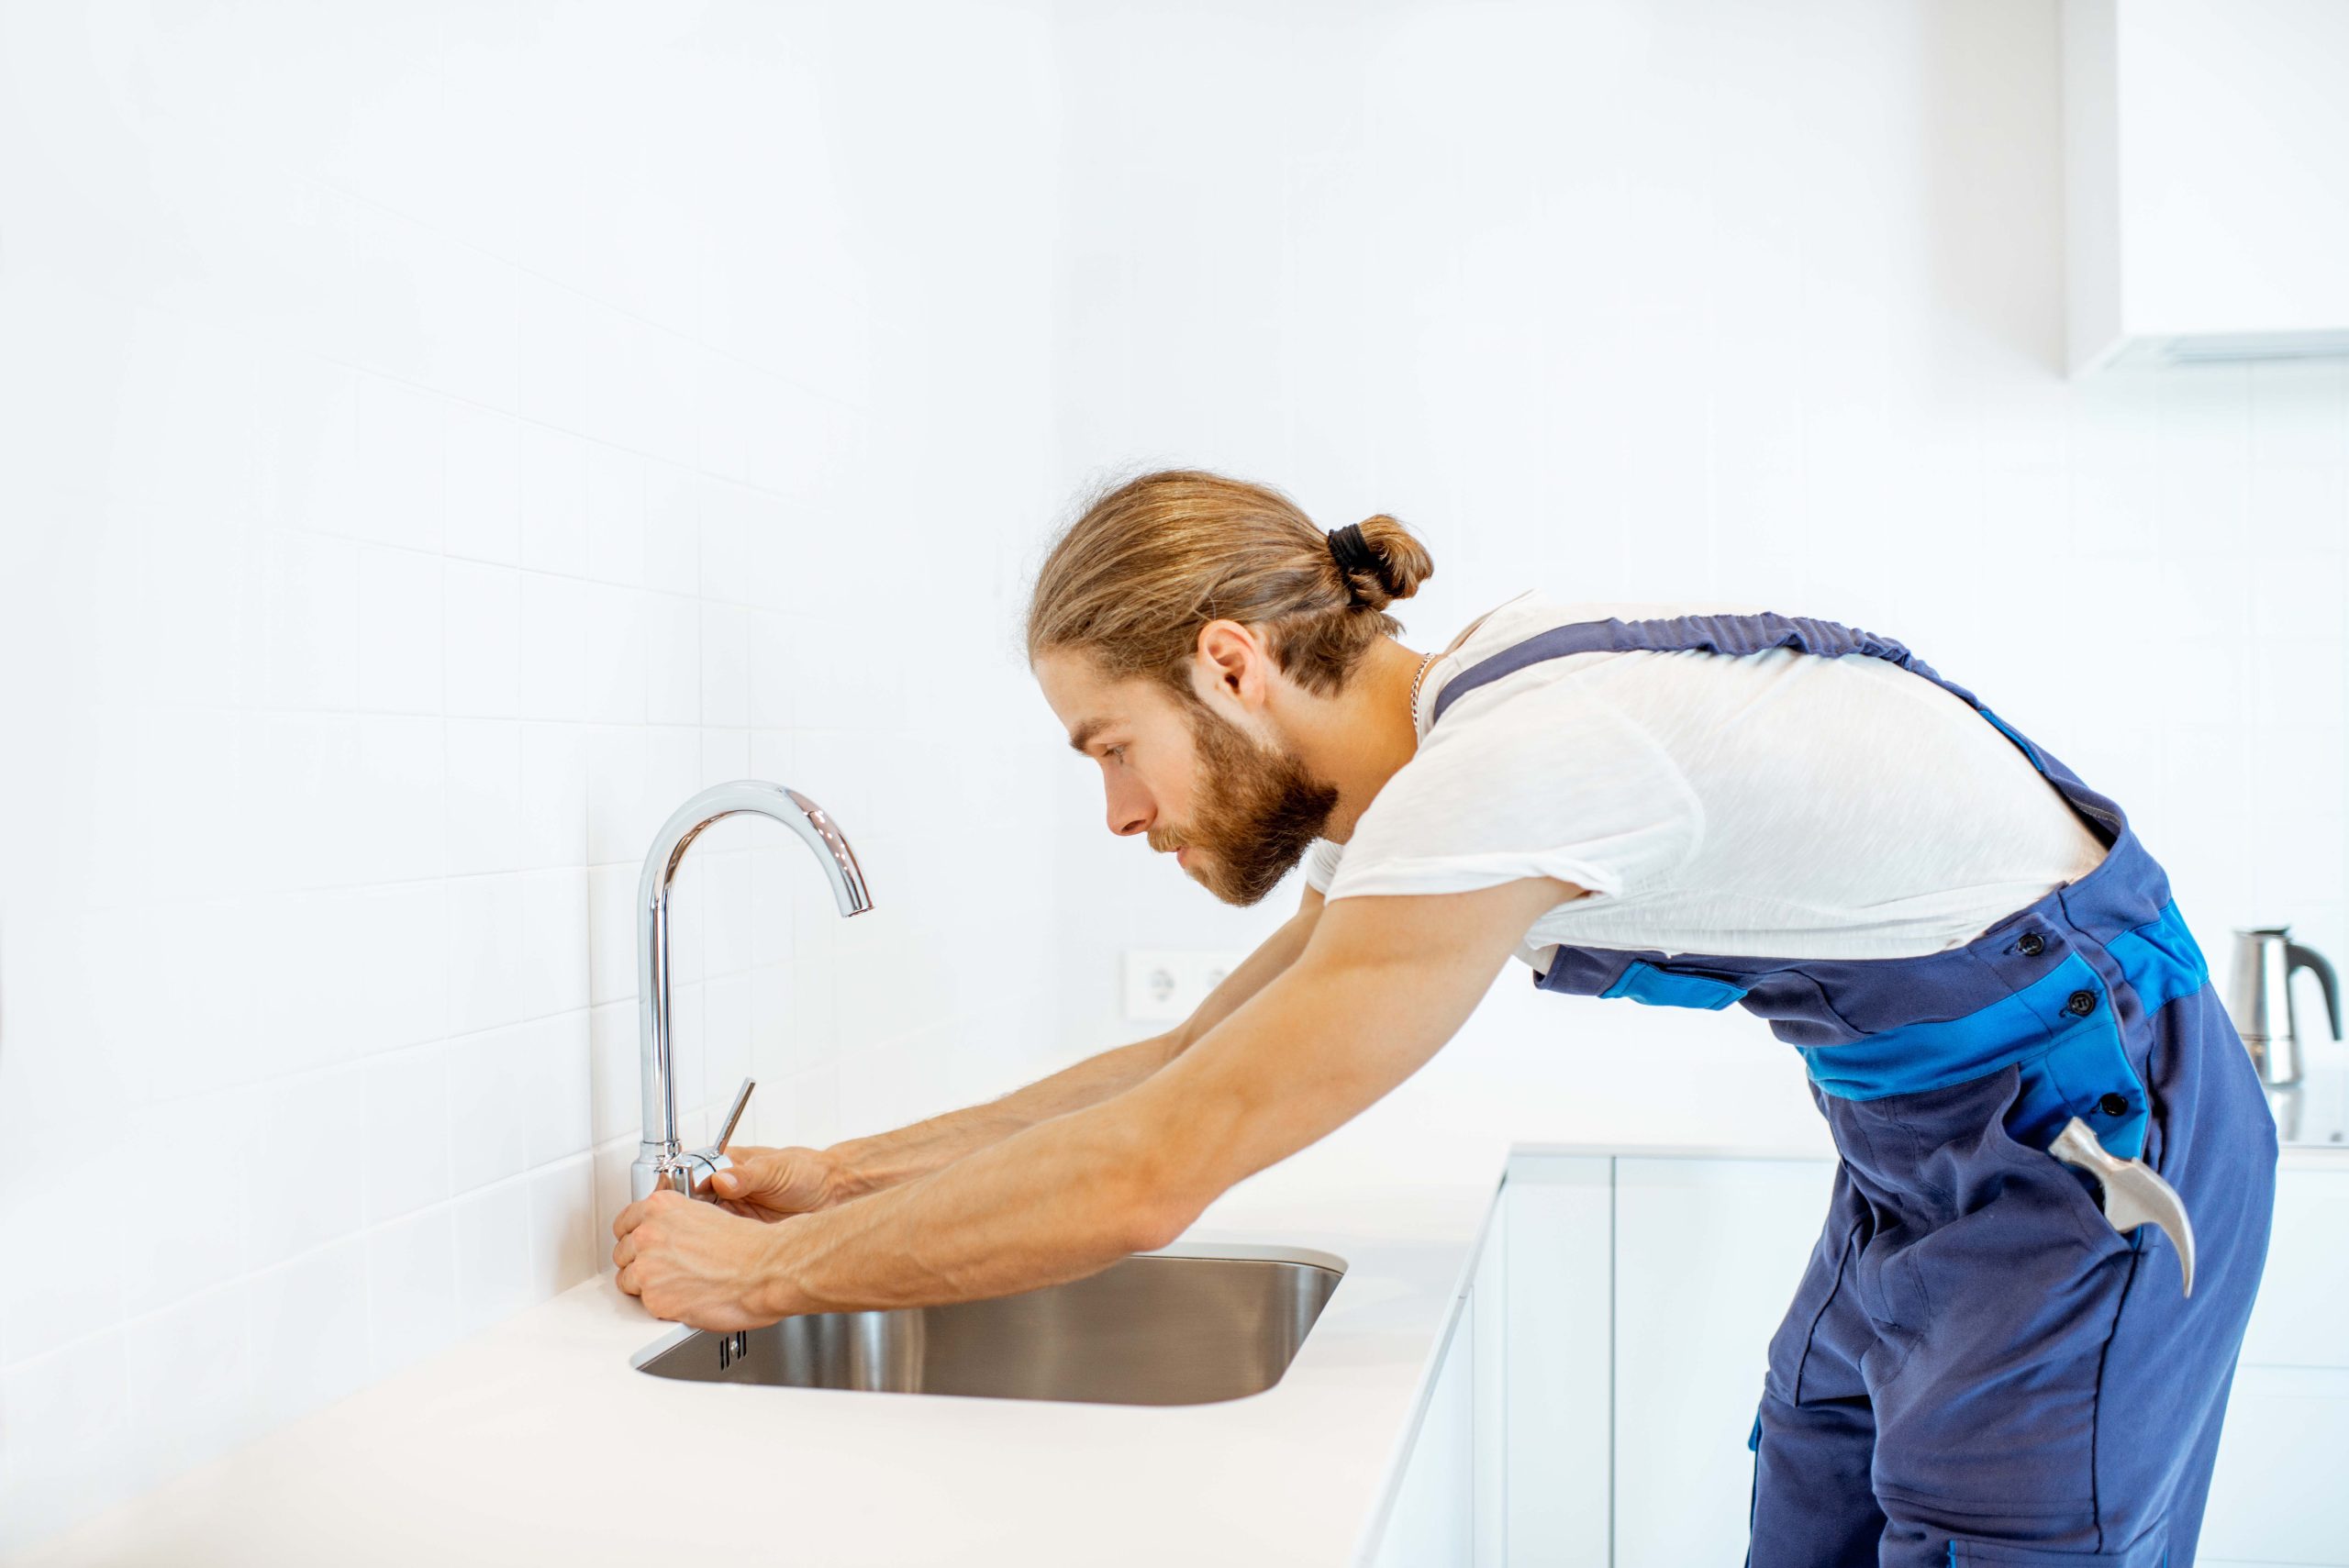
<point x="1756" y="634"/>
<point x="1689" y="634"/>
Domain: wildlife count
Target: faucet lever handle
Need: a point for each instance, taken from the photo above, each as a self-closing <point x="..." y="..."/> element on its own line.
<point x="741" y="1099"/>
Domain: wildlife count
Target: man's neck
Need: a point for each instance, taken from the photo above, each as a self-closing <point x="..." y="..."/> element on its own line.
<point x="1357" y="739"/>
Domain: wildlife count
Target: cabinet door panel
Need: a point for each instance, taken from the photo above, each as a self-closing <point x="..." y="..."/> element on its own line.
<point x="2299" y="1320"/>
<point x="1708" y="1253"/>
<point x="2276" y="1496"/>
<point x="1432" y="1523"/>
<point x="1556" y="1329"/>
<point x="1487" y="1313"/>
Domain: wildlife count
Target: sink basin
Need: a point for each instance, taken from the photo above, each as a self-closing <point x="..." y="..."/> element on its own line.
<point x="1191" y="1325"/>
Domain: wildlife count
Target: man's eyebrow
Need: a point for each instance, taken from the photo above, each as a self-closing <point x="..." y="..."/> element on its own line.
<point x="1081" y="736"/>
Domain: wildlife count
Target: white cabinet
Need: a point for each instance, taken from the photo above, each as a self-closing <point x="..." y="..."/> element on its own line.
<point x="2206" y="210"/>
<point x="1445" y="1512"/>
<point x="1592" y="1403"/>
<point x="2276" y="1496"/>
<point x="1432" y="1523"/>
<point x="1558" y="1320"/>
<point x="1708" y="1253"/>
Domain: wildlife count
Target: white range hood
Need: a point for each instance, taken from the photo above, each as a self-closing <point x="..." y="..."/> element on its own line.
<point x="2207" y="180"/>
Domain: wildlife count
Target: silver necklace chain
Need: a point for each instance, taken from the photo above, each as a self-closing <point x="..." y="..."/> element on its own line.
<point x="1425" y="659"/>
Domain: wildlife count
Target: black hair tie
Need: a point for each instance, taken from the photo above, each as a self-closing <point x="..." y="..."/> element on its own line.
<point x="1353" y="554"/>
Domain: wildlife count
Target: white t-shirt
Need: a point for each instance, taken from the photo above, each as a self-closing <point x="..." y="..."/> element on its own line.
<point x="1776" y="803"/>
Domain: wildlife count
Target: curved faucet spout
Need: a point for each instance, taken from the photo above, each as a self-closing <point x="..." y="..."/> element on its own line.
<point x="662" y="1158"/>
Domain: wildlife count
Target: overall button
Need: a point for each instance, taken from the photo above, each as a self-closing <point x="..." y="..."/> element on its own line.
<point x="2081" y="1003"/>
<point x="2033" y="944"/>
<point x="2114" y="1104"/>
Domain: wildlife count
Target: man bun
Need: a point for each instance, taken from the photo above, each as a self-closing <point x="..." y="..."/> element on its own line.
<point x="1401" y="563"/>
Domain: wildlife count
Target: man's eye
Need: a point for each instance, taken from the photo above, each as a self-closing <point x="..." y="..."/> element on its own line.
<point x="1117" y="752"/>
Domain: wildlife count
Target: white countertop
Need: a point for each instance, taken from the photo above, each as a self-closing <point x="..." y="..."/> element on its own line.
<point x="536" y="1441"/>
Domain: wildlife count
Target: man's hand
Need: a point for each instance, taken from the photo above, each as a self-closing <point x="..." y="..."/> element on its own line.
<point x="775" y="1184"/>
<point x="690" y="1264"/>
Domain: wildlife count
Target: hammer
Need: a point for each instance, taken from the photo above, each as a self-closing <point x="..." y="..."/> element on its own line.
<point x="2135" y="1193"/>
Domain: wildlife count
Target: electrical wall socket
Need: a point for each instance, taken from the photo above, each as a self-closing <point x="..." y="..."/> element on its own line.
<point x="1164" y="986"/>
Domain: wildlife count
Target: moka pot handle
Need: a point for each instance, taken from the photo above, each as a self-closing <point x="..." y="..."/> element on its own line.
<point x="2297" y="957"/>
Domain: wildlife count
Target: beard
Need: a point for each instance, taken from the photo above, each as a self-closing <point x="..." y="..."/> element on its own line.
<point x="1259" y="812"/>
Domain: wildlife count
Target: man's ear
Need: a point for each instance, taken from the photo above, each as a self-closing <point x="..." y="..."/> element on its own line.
<point x="1232" y="662"/>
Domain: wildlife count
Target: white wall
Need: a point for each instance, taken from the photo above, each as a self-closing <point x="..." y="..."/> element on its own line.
<point x="1648" y="299"/>
<point x="434" y="440"/>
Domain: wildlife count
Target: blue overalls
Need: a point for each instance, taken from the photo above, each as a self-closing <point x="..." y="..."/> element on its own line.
<point x="1977" y="1368"/>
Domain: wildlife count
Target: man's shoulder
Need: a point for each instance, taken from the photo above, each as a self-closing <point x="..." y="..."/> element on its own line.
<point x="1546" y="682"/>
<point x="1534" y="612"/>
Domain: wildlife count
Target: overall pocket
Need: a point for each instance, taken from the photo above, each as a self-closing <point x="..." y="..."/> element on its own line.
<point x="2004" y="1267"/>
<point x="2048" y="1183"/>
<point x="2152" y="1552"/>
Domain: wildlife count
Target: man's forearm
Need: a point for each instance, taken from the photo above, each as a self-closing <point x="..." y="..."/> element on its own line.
<point x="1062" y="1199"/>
<point x="1052" y="1202"/>
<point x="884" y="1160"/>
<point x="869" y="1165"/>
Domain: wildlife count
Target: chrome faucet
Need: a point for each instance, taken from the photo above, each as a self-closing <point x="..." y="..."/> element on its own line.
<point x="662" y="1158"/>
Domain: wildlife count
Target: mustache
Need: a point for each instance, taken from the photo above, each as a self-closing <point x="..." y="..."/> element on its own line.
<point x="1165" y="843"/>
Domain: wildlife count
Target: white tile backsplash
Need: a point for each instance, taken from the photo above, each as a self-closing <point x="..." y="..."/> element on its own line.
<point x="554" y="493"/>
<point x="401" y="446"/>
<point x="482" y="639"/>
<point x="189" y="1370"/>
<point x="724" y="663"/>
<point x="311" y="1187"/>
<point x="493" y="1240"/>
<point x="308" y="1330"/>
<point x="614" y="503"/>
<point x="201" y="1245"/>
<point x="430" y="464"/>
<point x="411" y="1288"/>
<point x="555" y="628"/>
<point x="483" y="470"/>
<point x="78" y="1286"/>
<point x="407" y="1141"/>
<point x="400" y="600"/>
<point x="87" y="1455"/>
<point x="555" y="782"/>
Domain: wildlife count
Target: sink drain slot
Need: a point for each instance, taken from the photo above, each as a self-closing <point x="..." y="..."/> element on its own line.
<point x="732" y="1347"/>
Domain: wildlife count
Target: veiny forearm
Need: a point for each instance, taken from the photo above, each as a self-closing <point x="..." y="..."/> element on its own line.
<point x="1068" y="1196"/>
<point x="1048" y="1203"/>
<point x="1063" y="1198"/>
<point x="887" y="1159"/>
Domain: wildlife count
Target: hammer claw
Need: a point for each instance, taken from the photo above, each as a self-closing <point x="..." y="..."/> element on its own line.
<point x="2135" y="1193"/>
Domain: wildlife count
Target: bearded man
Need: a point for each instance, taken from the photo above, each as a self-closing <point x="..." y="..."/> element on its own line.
<point x="1684" y="805"/>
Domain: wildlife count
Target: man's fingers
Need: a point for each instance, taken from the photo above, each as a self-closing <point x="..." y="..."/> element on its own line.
<point x="643" y="1209"/>
<point x="627" y="1280"/>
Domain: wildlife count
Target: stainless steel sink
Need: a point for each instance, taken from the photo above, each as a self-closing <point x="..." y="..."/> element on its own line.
<point x="1188" y="1326"/>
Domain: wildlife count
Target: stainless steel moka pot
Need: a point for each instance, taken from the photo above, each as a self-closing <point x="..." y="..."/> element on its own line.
<point x="2261" y="999"/>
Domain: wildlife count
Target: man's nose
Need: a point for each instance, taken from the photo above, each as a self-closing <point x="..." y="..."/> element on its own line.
<point x="1128" y="812"/>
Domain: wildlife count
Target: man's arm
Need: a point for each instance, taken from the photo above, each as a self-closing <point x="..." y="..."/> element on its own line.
<point x="774" y="1183"/>
<point x="1381" y="986"/>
